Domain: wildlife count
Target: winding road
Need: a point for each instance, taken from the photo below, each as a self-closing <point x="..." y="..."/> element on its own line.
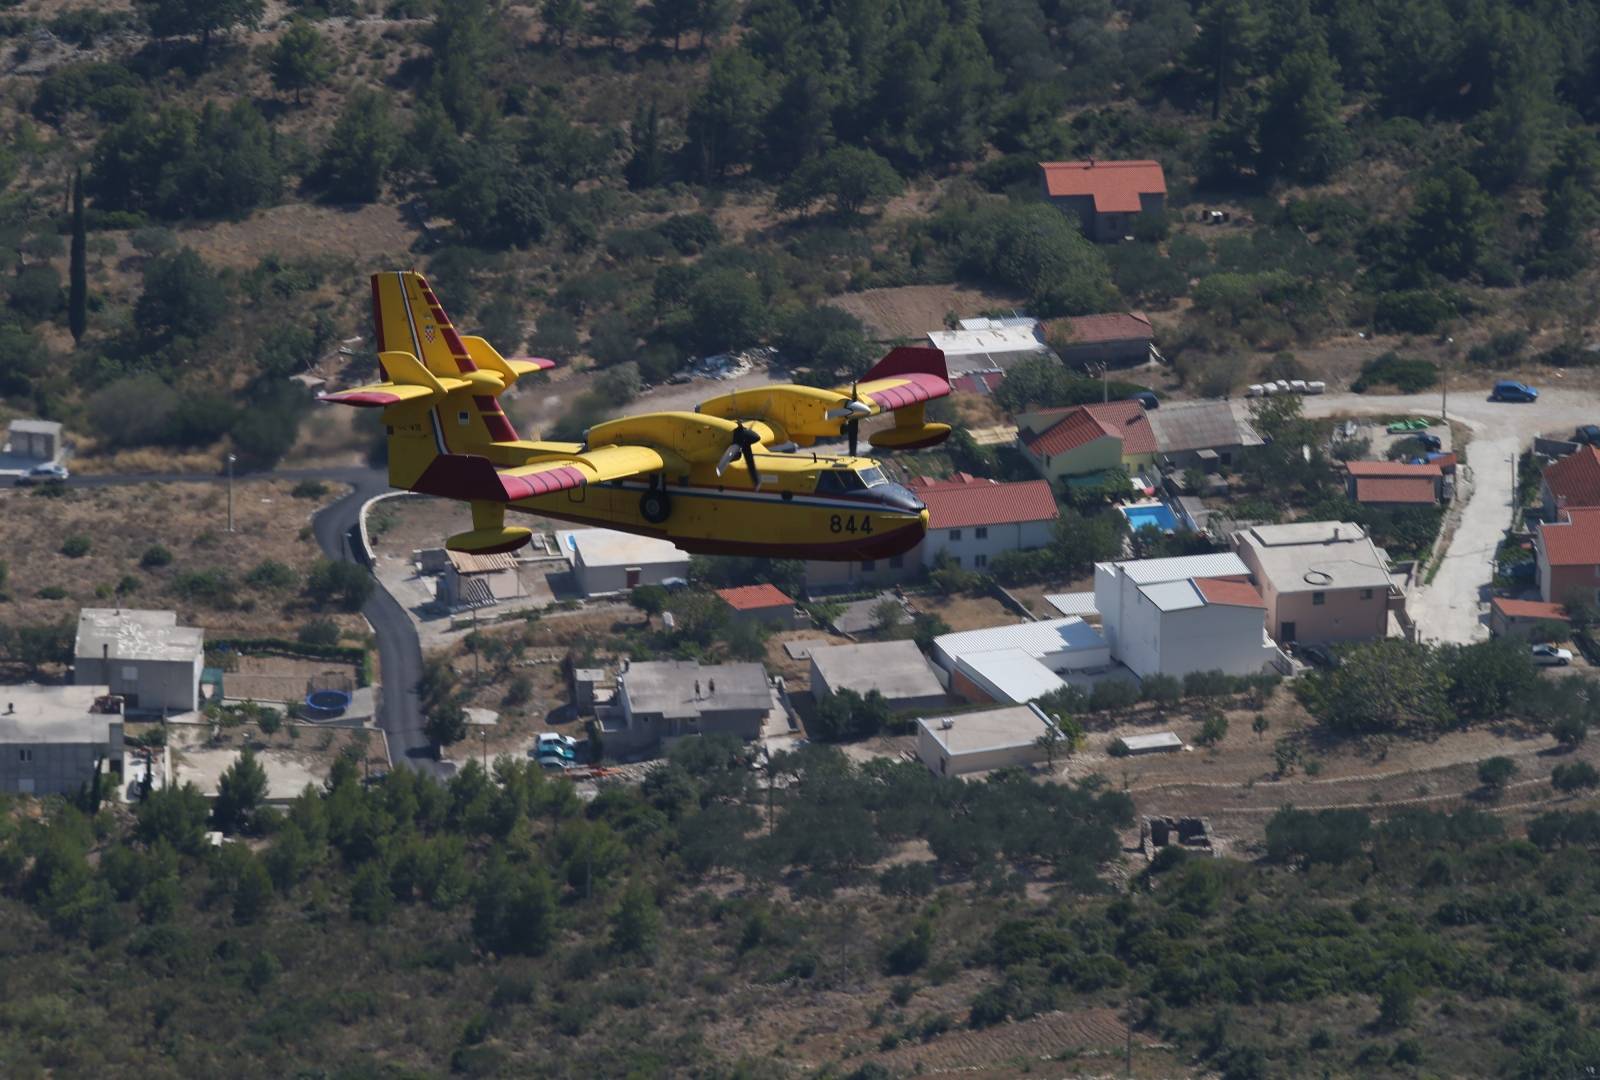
<point x="335" y="527"/>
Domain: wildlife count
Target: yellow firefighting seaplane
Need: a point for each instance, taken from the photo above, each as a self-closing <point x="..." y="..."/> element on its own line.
<point x="665" y="474"/>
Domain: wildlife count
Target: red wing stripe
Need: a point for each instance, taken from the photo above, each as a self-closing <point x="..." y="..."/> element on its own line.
<point x="542" y="483"/>
<point x="367" y="398"/>
<point x="917" y="387"/>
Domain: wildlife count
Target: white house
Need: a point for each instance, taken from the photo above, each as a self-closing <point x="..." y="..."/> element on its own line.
<point x="1021" y="661"/>
<point x="1179" y="615"/>
<point x="982" y="343"/>
<point x="980" y="741"/>
<point x="144" y="656"/>
<point x="52" y="738"/>
<point x="605" y="561"/>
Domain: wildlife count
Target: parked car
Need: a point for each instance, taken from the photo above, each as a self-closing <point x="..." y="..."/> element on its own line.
<point x="1510" y="390"/>
<point x="1588" y="434"/>
<point x="42" y="474"/>
<point x="554" y="761"/>
<point x="1428" y="442"/>
<point x="1147" y="399"/>
<point x="1549" y="656"/>
<point x="1317" y="656"/>
<point x="552" y="743"/>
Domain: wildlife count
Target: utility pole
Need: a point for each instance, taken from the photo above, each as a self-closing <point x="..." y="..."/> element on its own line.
<point x="231" y="460"/>
<point x="483" y="737"/>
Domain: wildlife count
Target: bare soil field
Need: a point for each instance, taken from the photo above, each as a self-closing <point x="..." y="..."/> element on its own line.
<point x="190" y="521"/>
<point x="281" y="678"/>
<point x="912" y="311"/>
<point x="294" y="755"/>
<point x="965" y="612"/>
<point x="377" y="234"/>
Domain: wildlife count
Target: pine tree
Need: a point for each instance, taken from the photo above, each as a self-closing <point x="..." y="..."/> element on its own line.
<point x="78" y="286"/>
<point x="646" y="168"/>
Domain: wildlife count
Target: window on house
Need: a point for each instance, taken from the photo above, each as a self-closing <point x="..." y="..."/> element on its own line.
<point x="25" y="756"/>
<point x="955" y="534"/>
<point x="896" y="561"/>
<point x="130" y="673"/>
<point x="1366" y="594"/>
<point x="868" y="565"/>
<point x="1318" y="598"/>
<point x="981" y="533"/>
<point x="980" y="561"/>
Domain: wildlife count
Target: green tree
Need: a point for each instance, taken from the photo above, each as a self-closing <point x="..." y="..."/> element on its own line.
<point x="180" y="297"/>
<point x="887" y="615"/>
<point x="1381" y="686"/>
<point x="1230" y="33"/>
<point x="725" y="120"/>
<point x="1451" y="224"/>
<point x="711" y="18"/>
<point x="175" y="815"/>
<point x="464" y="41"/>
<point x="335" y="583"/>
<point x="636" y="921"/>
<point x="371" y="900"/>
<point x="240" y="792"/>
<point x="360" y="149"/>
<point x="647" y="164"/>
<point x="561" y="18"/>
<point x="1300" y="133"/>
<point x="1397" y="1001"/>
<point x="1574" y="776"/>
<point x="1489" y="677"/>
<point x="301" y="60"/>
<point x="670" y="19"/>
<point x="78" y="271"/>
<point x="1213" y="729"/>
<point x="1496" y="772"/>
<point x="613" y="21"/>
<point x="725" y="310"/>
<point x="848" y="177"/>
<point x="186" y="18"/>
<point x="445" y="725"/>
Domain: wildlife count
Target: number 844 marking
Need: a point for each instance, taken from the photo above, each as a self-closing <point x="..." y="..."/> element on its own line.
<point x="849" y="523"/>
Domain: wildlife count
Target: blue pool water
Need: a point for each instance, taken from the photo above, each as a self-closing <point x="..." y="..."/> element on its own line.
<point x="1152" y="514"/>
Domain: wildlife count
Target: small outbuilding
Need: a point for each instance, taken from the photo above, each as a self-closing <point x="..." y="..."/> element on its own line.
<point x="980" y="741"/>
<point x="52" y="738"/>
<point x="895" y="669"/>
<point x="765" y="604"/>
<point x="1117" y="339"/>
<point x="37" y="440"/>
<point x="1068" y="644"/>
<point x="606" y="562"/>
<point x="1162" y="742"/>
<point x="1517" y="618"/>
<point x="478" y="580"/>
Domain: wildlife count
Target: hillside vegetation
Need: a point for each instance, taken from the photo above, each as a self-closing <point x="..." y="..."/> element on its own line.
<point x="636" y="184"/>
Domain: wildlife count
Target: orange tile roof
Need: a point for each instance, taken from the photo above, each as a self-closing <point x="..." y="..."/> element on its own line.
<point x="1529" y="609"/>
<point x="1094" y="329"/>
<point x="1391" y="469"/>
<point x="755" y="597"/>
<point x="1397" y="489"/>
<point x="969" y="502"/>
<point x="1230" y="591"/>
<point x="1114" y="185"/>
<point x="1573" y="541"/>
<point x="1085" y="423"/>
<point x="1575" y="479"/>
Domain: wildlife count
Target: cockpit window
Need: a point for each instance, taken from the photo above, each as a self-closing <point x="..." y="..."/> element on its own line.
<point x="840" y="481"/>
<point x="872" y="477"/>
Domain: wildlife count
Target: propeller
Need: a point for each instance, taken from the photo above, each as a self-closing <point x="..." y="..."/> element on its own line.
<point x="743" y="442"/>
<point x="851" y="413"/>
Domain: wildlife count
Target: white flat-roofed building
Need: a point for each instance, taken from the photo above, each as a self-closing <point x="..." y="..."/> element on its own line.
<point x="982" y="344"/>
<point x="1185" y="614"/>
<point x="1321" y="580"/>
<point x="52" y="738"/>
<point x="668" y="699"/>
<point x="38" y="440"/>
<point x="1160" y="743"/>
<point x="144" y="656"/>
<point x="1006" y="675"/>
<point x="1068" y="644"/>
<point x="606" y="562"/>
<point x="1081" y="604"/>
<point x="895" y="669"/>
<point x="980" y="741"/>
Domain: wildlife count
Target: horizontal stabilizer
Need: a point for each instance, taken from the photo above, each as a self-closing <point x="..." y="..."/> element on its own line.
<point x="376" y="395"/>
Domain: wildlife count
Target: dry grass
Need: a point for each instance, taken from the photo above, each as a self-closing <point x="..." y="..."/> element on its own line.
<point x="121" y="523"/>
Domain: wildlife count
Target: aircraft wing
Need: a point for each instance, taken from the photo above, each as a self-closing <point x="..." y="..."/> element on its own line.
<point x="377" y="395"/>
<point x="468" y="476"/>
<point x="907" y="376"/>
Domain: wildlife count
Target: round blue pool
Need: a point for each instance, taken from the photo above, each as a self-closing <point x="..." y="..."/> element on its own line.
<point x="1150" y="515"/>
<point x="326" y="704"/>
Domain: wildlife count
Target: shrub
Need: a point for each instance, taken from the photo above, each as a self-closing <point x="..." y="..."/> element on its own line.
<point x="270" y="574"/>
<point x="1496" y="772"/>
<point x="75" y="546"/>
<point x="319" y="632"/>
<point x="1408" y="375"/>
<point x="1413" y="311"/>
<point x="1213" y="729"/>
<point x="1574" y="776"/>
<point x="309" y="489"/>
<point x="155" y="556"/>
<point x="341" y="584"/>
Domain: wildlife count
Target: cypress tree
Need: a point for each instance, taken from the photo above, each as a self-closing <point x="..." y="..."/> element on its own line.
<point x="78" y="286"/>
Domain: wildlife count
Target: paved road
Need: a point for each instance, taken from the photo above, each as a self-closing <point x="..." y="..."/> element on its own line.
<point x="399" y="653"/>
<point x="1455" y="606"/>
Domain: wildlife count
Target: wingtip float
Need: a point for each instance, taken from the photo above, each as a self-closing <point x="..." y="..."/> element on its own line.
<point x="724" y="479"/>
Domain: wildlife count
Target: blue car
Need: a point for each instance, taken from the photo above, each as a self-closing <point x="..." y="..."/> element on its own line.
<point x="1508" y="390"/>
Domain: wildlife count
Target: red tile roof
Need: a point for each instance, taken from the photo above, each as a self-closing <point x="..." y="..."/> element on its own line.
<point x="967" y="501"/>
<point x="1575" y="479"/>
<point x="1418" y="490"/>
<point x="1115" y="185"/>
<point x="755" y="597"/>
<point x="1083" y="424"/>
<point x="1230" y="591"/>
<point x="978" y="382"/>
<point x="1391" y="469"/>
<point x="1095" y="329"/>
<point x="1573" y="541"/>
<point x="1529" y="609"/>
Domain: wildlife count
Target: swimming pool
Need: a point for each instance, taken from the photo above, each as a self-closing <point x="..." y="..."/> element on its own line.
<point x="1149" y="514"/>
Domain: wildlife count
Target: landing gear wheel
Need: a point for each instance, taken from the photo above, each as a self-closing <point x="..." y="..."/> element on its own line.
<point x="655" y="506"/>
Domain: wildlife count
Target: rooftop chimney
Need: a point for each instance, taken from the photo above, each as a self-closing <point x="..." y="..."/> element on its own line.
<point x="697" y="688"/>
<point x="713" y="684"/>
<point x="11" y="707"/>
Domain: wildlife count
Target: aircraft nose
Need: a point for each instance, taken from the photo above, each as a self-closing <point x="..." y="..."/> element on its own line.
<point x="898" y="498"/>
